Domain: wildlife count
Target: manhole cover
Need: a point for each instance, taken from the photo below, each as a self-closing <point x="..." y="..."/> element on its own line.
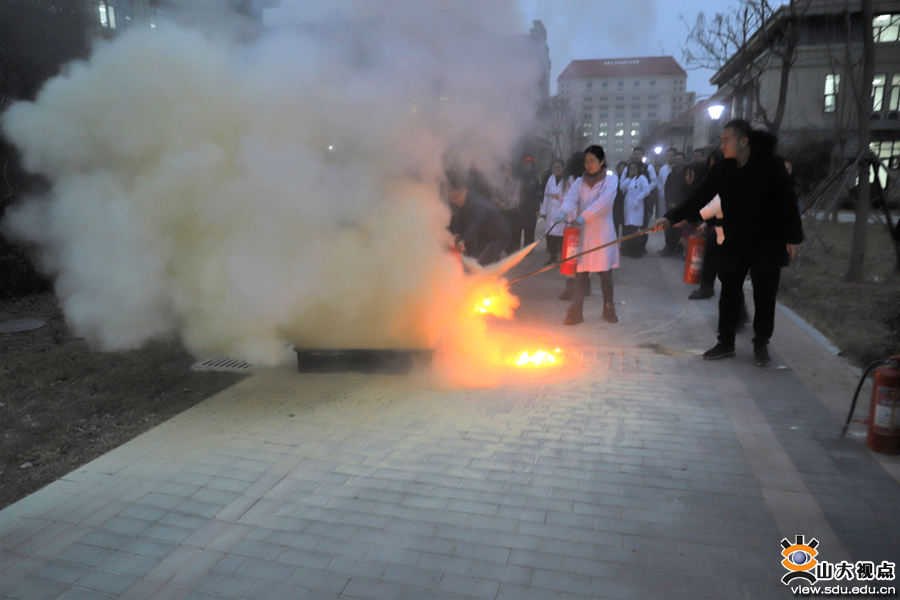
<point x="20" y="325"/>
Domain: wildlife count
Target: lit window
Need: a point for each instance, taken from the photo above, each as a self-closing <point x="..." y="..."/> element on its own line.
<point x="620" y="124"/>
<point x="620" y="132"/>
<point x="886" y="28"/>
<point x="602" y="134"/>
<point x="832" y="84"/>
<point x="878" y="91"/>
<point x="895" y="93"/>
<point x="107" y="14"/>
<point x="603" y="124"/>
<point x="634" y="132"/>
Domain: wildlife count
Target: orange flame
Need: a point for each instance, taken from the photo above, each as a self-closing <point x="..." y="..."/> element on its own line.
<point x="484" y="306"/>
<point x="538" y="358"/>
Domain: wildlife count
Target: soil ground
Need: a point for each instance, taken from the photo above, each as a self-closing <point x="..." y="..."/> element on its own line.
<point x="861" y="319"/>
<point x="63" y="404"/>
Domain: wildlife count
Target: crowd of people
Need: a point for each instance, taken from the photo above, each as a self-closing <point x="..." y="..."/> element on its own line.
<point x="741" y="198"/>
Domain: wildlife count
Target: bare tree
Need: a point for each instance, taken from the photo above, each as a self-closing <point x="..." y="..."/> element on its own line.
<point x="748" y="40"/>
<point x="560" y="124"/>
<point x="864" y="102"/>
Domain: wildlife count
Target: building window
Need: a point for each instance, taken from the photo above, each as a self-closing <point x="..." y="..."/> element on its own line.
<point x="652" y="83"/>
<point x="635" y="124"/>
<point x="603" y="124"/>
<point x="619" y="115"/>
<point x="604" y="85"/>
<point x="604" y="107"/>
<point x="602" y="134"/>
<point x="878" y="92"/>
<point x="636" y="98"/>
<point x="620" y="85"/>
<point x="895" y="93"/>
<point x="886" y="28"/>
<point x="603" y="115"/>
<point x="620" y="132"/>
<point x="588" y="99"/>
<point x="651" y="115"/>
<point x="653" y="97"/>
<point x="620" y="107"/>
<point x="637" y="84"/>
<point x="832" y="83"/>
<point x="590" y="85"/>
<point x="107" y="14"/>
<point x="634" y="132"/>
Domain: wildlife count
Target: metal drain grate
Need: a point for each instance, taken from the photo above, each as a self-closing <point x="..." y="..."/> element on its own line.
<point x="223" y="364"/>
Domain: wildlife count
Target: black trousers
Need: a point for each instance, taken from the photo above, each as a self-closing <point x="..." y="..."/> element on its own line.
<point x="529" y="222"/>
<point x="765" y="288"/>
<point x="554" y="247"/>
<point x="650" y="204"/>
<point x="710" y="260"/>
<point x="631" y="247"/>
<point x="583" y="278"/>
<point x="514" y="220"/>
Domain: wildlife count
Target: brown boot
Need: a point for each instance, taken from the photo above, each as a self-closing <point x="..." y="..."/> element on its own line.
<point x="569" y="291"/>
<point x="609" y="313"/>
<point x="574" y="315"/>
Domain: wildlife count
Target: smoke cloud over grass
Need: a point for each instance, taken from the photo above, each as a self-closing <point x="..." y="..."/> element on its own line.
<point x="242" y="196"/>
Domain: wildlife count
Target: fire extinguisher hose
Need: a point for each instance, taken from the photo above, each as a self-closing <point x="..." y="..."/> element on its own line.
<point x="862" y="380"/>
<point x="574" y="256"/>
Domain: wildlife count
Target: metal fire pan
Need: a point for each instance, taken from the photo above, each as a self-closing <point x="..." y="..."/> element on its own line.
<point x="392" y="361"/>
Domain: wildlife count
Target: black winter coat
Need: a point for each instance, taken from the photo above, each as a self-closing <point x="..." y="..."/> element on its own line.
<point x="758" y="203"/>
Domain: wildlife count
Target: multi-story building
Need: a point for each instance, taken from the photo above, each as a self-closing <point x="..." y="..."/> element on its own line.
<point x="820" y="101"/>
<point x="240" y="18"/>
<point x="619" y="100"/>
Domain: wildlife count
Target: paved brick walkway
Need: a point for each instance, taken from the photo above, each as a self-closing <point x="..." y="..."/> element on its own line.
<point x="634" y="470"/>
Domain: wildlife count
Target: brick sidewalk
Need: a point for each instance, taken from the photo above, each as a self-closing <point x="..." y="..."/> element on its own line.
<point x="633" y="470"/>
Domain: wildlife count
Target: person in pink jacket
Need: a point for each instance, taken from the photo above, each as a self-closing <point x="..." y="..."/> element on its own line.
<point x="588" y="204"/>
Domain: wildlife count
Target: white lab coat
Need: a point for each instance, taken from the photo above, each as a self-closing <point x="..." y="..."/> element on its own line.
<point x="661" y="187"/>
<point x="714" y="210"/>
<point x="635" y="190"/>
<point x="551" y="207"/>
<point x="595" y="205"/>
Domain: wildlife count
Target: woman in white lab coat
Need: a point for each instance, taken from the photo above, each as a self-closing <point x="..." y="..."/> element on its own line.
<point x="553" y="197"/>
<point x="589" y="205"/>
<point x="636" y="187"/>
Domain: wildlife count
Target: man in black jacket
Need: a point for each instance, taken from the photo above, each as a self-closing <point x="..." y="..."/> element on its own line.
<point x="476" y="219"/>
<point x="761" y="225"/>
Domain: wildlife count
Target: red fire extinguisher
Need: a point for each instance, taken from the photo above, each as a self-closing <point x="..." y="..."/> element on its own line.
<point x="884" y="416"/>
<point x="570" y="247"/>
<point x="693" y="260"/>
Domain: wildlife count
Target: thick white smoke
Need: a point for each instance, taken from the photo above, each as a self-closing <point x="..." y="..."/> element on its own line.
<point x="239" y="197"/>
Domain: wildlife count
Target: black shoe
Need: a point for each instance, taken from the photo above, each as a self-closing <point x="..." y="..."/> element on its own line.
<point x="761" y="356"/>
<point x="718" y="351"/>
<point x="701" y="294"/>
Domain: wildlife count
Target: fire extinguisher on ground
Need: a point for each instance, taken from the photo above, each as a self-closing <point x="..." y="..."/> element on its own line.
<point x="884" y="412"/>
<point x="570" y="247"/>
<point x="693" y="259"/>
